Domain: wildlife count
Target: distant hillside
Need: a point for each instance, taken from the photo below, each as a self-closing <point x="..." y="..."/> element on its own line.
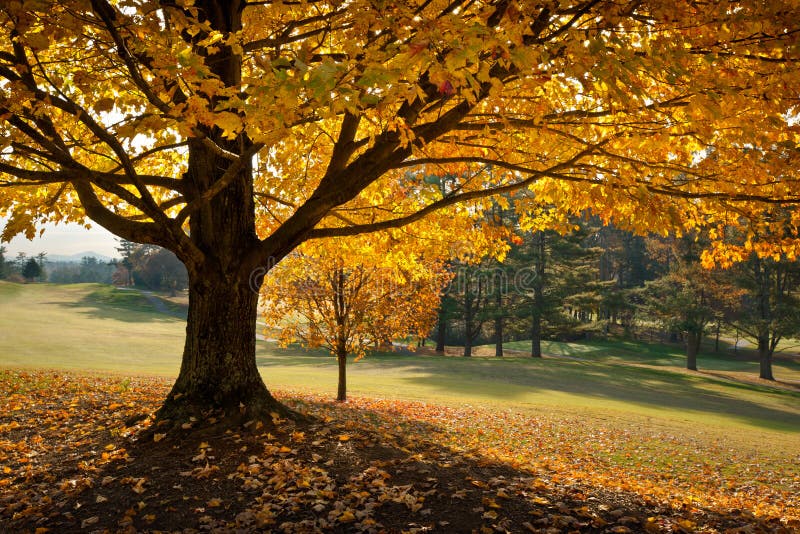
<point x="76" y="258"/>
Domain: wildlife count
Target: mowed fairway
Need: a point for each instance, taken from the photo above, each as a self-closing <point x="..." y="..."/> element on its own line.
<point x="86" y="326"/>
<point x="99" y="328"/>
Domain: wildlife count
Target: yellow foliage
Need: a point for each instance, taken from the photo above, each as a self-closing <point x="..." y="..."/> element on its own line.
<point x="661" y="117"/>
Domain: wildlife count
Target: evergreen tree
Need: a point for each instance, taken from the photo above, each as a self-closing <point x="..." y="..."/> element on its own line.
<point x="40" y="260"/>
<point x="625" y="267"/>
<point x="19" y="263"/>
<point x="126" y="250"/>
<point x="31" y="270"/>
<point x="4" y="266"/>
<point x="547" y="271"/>
<point x="471" y="295"/>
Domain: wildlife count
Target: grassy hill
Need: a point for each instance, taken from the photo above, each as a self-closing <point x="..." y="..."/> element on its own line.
<point x="100" y="328"/>
<point x="676" y="448"/>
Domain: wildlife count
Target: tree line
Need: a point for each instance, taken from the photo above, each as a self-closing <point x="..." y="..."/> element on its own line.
<point x="22" y="268"/>
<point x="589" y="281"/>
<point x="145" y="266"/>
<point x="600" y="281"/>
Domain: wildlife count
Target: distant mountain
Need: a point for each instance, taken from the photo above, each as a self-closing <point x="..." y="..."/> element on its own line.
<point x="77" y="257"/>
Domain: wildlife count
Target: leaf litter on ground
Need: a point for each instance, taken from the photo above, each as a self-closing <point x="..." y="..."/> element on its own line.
<point x="78" y="454"/>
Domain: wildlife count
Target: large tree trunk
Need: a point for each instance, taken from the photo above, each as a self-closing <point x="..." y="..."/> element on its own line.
<point x="765" y="358"/>
<point x="692" y="348"/>
<point x="218" y="375"/>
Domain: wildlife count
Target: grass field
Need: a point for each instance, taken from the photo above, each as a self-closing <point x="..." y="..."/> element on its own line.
<point x="609" y="413"/>
<point x="742" y="361"/>
<point x="98" y="328"/>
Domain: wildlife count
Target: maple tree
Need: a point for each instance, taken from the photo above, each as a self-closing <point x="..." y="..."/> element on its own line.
<point x="350" y="296"/>
<point x="181" y="123"/>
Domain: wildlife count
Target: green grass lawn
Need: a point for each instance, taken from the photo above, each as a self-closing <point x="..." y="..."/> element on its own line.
<point x="86" y="326"/>
<point x="786" y="365"/>
<point x="99" y="328"/>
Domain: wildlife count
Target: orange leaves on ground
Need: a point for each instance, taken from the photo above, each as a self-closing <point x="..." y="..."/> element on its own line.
<point x="69" y="462"/>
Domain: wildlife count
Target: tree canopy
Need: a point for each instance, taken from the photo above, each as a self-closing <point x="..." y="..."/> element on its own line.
<point x="610" y="105"/>
<point x="182" y="123"/>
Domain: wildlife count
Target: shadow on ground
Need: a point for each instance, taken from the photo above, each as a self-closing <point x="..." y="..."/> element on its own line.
<point x="648" y="387"/>
<point x="131" y="306"/>
<point x="342" y="470"/>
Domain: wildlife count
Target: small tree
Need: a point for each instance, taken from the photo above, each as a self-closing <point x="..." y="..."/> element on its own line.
<point x="350" y="300"/>
<point x="687" y="297"/>
<point x="126" y="249"/>
<point x="474" y="286"/>
<point x="682" y="305"/>
<point x="4" y="267"/>
<point x="31" y="270"/>
<point x="121" y="275"/>
<point x="19" y="263"/>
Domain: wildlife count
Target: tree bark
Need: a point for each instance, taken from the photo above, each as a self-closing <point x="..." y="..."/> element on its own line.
<point x="218" y="372"/>
<point x="498" y="339"/>
<point x="499" y="319"/>
<point x="468" y="321"/>
<point x="468" y="347"/>
<point x="536" y="336"/>
<point x="441" y="333"/>
<point x="765" y="359"/>
<point x="692" y="348"/>
<point x="538" y="294"/>
<point x="341" y="393"/>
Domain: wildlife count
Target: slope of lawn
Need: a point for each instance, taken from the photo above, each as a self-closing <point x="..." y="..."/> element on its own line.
<point x="86" y="326"/>
<point x="652" y="446"/>
<point x="741" y="363"/>
<point x="96" y="327"/>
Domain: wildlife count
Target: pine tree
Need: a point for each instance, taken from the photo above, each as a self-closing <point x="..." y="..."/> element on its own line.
<point x="31" y="270"/>
<point x="547" y="271"/>
<point x="4" y="267"/>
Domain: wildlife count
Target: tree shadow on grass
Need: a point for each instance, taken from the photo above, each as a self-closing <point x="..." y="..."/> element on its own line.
<point x="344" y="469"/>
<point x="514" y="378"/>
<point x="120" y="305"/>
<point x="647" y="387"/>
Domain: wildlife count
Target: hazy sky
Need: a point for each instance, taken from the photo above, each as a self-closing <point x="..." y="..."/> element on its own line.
<point x="64" y="239"/>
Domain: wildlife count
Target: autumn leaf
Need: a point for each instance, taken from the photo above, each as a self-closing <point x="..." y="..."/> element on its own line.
<point x="346" y="517"/>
